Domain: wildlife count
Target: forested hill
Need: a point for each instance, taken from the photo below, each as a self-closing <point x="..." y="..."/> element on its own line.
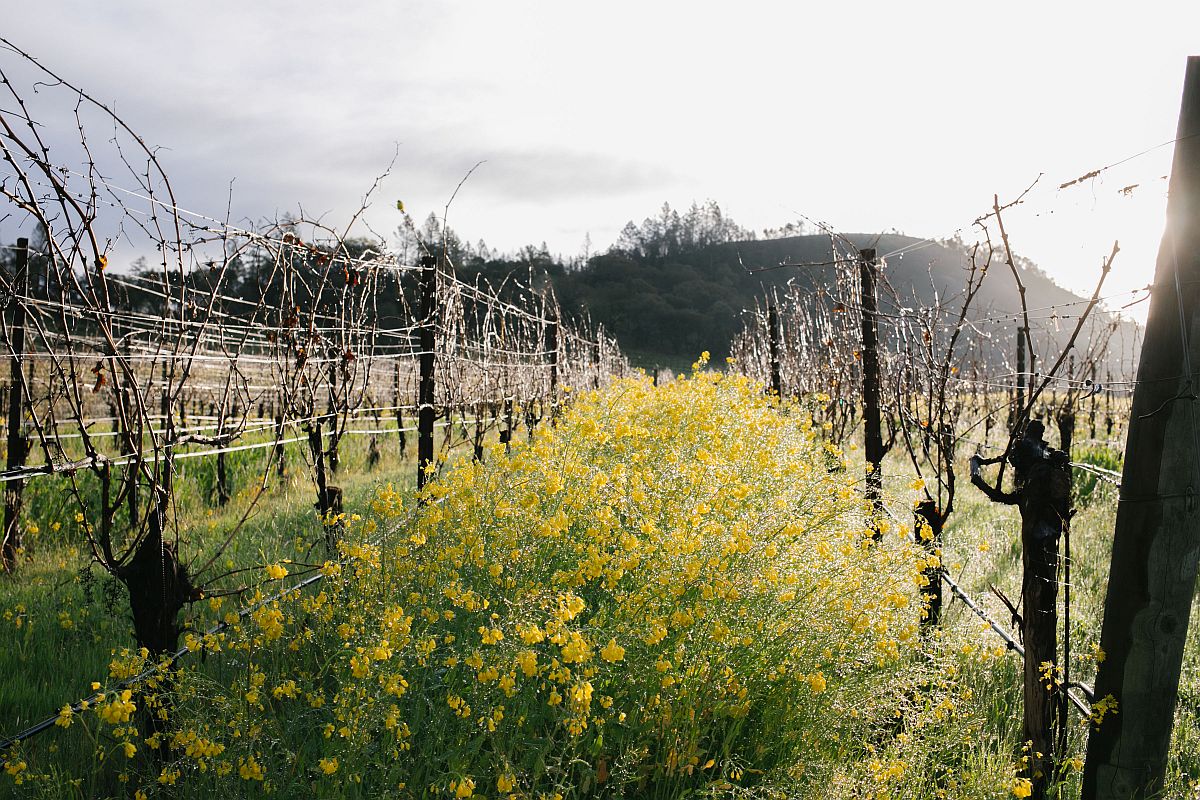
<point x="668" y="308"/>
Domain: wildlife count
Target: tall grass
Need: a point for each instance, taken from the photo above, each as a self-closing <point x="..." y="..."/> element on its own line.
<point x="672" y="593"/>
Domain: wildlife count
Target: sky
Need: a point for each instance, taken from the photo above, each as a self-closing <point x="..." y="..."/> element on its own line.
<point x="863" y="116"/>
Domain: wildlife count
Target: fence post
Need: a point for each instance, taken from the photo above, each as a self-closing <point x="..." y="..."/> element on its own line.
<point x="1016" y="413"/>
<point x="222" y="481"/>
<point x="329" y="498"/>
<point x="280" y="452"/>
<point x="552" y="351"/>
<point x="596" y="358"/>
<point x="506" y="435"/>
<point x="1092" y="405"/>
<point x="373" y="444"/>
<point x="872" y="428"/>
<point x="1066" y="414"/>
<point x="1108" y="402"/>
<point x="332" y="413"/>
<point x="17" y="444"/>
<point x="927" y="513"/>
<point x="399" y="412"/>
<point x="776" y="373"/>
<point x="1152" y="579"/>
<point x="426" y="414"/>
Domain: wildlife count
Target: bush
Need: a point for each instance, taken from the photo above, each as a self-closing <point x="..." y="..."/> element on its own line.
<point x="669" y="593"/>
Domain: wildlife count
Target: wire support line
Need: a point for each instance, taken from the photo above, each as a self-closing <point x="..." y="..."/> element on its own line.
<point x="1106" y="475"/>
<point x="169" y="660"/>
<point x="100" y="459"/>
<point x="217" y="227"/>
<point x="211" y="329"/>
<point x="1009" y="641"/>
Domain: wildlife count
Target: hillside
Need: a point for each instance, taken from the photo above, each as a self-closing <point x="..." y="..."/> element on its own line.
<point x="667" y="308"/>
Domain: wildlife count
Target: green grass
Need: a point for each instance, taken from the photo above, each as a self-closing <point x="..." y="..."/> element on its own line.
<point x="61" y="621"/>
<point x="60" y="607"/>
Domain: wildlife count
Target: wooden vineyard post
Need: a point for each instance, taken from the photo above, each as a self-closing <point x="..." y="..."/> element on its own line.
<point x="17" y="444"/>
<point x="552" y="351"/>
<point x="128" y="446"/>
<point x="773" y="330"/>
<point x="1108" y="402"/>
<point x="329" y="498"/>
<point x="1066" y="415"/>
<point x="506" y="435"/>
<point x="332" y="414"/>
<point x="1157" y="539"/>
<point x="164" y="401"/>
<point x="477" y="440"/>
<point x="399" y="413"/>
<point x="1014" y="417"/>
<point x="280" y="452"/>
<point x="872" y="428"/>
<point x="373" y="455"/>
<point x="927" y="513"/>
<point x="1092" y="405"/>
<point x="222" y="464"/>
<point x="426" y="414"/>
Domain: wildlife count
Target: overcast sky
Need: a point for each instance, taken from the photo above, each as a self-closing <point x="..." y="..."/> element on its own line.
<point x="866" y="116"/>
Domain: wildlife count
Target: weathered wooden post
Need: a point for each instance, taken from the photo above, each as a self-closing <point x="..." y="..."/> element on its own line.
<point x="399" y="413"/>
<point x="1108" y="401"/>
<point x="332" y="412"/>
<point x="1016" y="413"/>
<point x="1156" y="544"/>
<point x="373" y="444"/>
<point x="1066" y="414"/>
<point x="426" y="413"/>
<point x="18" y="445"/>
<point x="477" y="440"/>
<point x="928" y="514"/>
<point x="596" y="358"/>
<point x="506" y="435"/>
<point x="222" y="469"/>
<point x="872" y="430"/>
<point x="129" y="447"/>
<point x="774" y="336"/>
<point x="552" y="353"/>
<point x="329" y="498"/>
<point x="280" y="453"/>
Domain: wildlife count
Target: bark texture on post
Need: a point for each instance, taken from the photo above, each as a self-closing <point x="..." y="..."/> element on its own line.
<point x="426" y="413"/>
<point x="399" y="414"/>
<point x="18" y="446"/>
<point x="222" y="472"/>
<point x="776" y="371"/>
<point x="1157" y="540"/>
<point x="1015" y="419"/>
<point x="329" y="498"/>
<point x="927" y="513"/>
<point x="872" y="426"/>
<point x="279" y="454"/>
<point x="552" y="350"/>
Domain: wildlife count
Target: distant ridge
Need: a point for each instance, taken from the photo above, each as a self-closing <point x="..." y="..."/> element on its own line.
<point x="668" y="308"/>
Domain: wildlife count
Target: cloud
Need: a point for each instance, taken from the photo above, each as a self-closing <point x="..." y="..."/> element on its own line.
<point x="553" y="174"/>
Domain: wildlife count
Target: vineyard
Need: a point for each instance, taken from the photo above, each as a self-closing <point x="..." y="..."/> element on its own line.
<point x="293" y="511"/>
